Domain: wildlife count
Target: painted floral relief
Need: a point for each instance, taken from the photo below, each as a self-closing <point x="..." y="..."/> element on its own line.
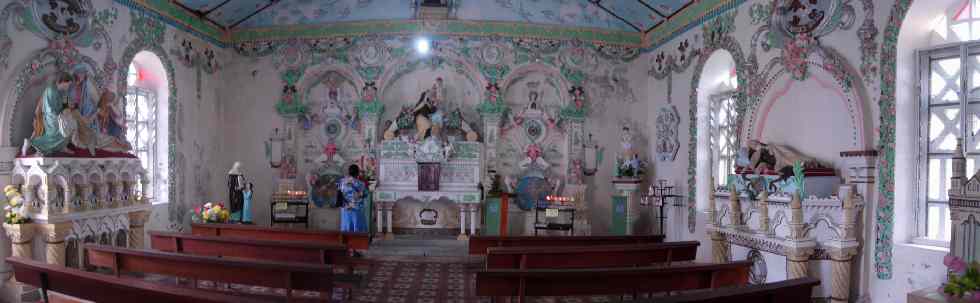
<point x="579" y="13"/>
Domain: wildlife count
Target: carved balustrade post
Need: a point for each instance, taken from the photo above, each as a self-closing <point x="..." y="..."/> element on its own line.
<point x="54" y="240"/>
<point x="712" y="208"/>
<point x="764" y="213"/>
<point x="843" y="250"/>
<point x="85" y="200"/>
<point x="798" y="248"/>
<point x="736" y="208"/>
<point x="137" y="221"/>
<point x="721" y="250"/>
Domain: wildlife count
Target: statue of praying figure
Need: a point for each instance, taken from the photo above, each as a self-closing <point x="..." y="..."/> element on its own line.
<point x="54" y="122"/>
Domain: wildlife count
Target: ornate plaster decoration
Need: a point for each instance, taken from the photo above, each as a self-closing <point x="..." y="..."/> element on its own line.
<point x="795" y="27"/>
<point x="667" y="128"/>
<point x="885" y="213"/>
<point x="195" y="55"/>
<point x="868" y="33"/>
<point x="73" y="21"/>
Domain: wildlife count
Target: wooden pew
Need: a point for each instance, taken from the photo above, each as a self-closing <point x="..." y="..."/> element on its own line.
<point x="358" y="241"/>
<point x="478" y="244"/>
<point x="789" y="291"/>
<point x="604" y="281"/>
<point x="109" y="289"/>
<point x="290" y="276"/>
<point x="591" y="256"/>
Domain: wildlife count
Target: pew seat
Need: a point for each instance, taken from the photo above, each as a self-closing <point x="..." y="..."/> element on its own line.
<point x="520" y="283"/>
<point x="633" y="255"/>
<point x="478" y="244"/>
<point x="101" y="288"/>
<point x="357" y="241"/>
<point x="788" y="291"/>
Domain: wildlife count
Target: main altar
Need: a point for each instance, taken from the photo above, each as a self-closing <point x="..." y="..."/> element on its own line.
<point x="428" y="172"/>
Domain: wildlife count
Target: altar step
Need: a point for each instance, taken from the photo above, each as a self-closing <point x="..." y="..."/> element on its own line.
<point x="418" y="246"/>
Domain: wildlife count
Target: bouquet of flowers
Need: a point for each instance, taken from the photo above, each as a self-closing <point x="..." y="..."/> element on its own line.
<point x="14" y="212"/>
<point x="213" y="212"/>
<point x="964" y="279"/>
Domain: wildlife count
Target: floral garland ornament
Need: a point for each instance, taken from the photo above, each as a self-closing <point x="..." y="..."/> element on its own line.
<point x="14" y="212"/>
<point x="795" y="55"/>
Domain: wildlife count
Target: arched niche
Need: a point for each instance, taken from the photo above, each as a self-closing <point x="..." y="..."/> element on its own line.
<point x="36" y="74"/>
<point x="402" y="86"/>
<point x="712" y="80"/>
<point x="549" y="90"/>
<point x="331" y="93"/>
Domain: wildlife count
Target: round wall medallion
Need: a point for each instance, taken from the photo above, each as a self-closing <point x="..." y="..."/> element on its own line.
<point x="333" y="128"/>
<point x="63" y="18"/>
<point x="535" y="130"/>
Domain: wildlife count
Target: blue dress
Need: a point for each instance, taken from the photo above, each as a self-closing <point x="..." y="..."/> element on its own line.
<point x="351" y="218"/>
<point x="247" y="206"/>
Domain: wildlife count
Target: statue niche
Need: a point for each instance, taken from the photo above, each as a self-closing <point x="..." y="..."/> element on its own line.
<point x="431" y="115"/>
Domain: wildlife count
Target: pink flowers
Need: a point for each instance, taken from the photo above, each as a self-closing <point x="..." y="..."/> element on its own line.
<point x="954" y="263"/>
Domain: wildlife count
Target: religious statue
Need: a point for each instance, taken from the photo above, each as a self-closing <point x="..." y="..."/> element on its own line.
<point x="533" y="159"/>
<point x="370" y="92"/>
<point x="330" y="157"/>
<point x="247" y="205"/>
<point x="626" y="140"/>
<point x="54" y="121"/>
<point x="578" y="97"/>
<point x="576" y="174"/>
<point x="428" y="118"/>
<point x="493" y="93"/>
<point x="628" y="164"/>
<point x="759" y="157"/>
<point x="236" y="188"/>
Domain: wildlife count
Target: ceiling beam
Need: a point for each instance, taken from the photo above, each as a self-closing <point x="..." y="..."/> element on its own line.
<point x="662" y="15"/>
<point x="216" y="7"/>
<point x="596" y="2"/>
<point x="271" y="3"/>
<point x="200" y="14"/>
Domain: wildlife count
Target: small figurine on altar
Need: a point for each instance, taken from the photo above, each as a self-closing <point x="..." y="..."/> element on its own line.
<point x="628" y="163"/>
<point x="247" y="204"/>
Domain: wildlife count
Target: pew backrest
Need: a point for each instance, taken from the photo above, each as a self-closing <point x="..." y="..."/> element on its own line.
<point x="286" y="251"/>
<point x="359" y="241"/>
<point x="600" y="281"/>
<point x="596" y="256"/>
<point x="478" y="244"/>
<point x="109" y="289"/>
<point x="788" y="291"/>
<point x="286" y="275"/>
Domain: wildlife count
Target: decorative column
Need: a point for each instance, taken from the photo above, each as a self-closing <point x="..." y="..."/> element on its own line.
<point x="21" y="238"/>
<point x="137" y="221"/>
<point x="842" y="251"/>
<point x="462" y="222"/>
<point x="764" y="214"/>
<point x="54" y="240"/>
<point x="798" y="249"/>
<point x="625" y="188"/>
<point x="472" y="210"/>
<point x="389" y="206"/>
<point x="492" y="114"/>
<point x="720" y="249"/>
<point x="735" y="204"/>
<point x="380" y="219"/>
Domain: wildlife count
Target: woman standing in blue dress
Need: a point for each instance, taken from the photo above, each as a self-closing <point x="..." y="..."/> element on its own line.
<point x="354" y="192"/>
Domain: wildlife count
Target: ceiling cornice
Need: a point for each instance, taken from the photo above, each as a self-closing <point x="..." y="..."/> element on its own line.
<point x="440" y="27"/>
<point x="689" y="17"/>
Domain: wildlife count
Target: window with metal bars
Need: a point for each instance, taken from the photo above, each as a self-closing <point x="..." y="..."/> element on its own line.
<point x="141" y="128"/>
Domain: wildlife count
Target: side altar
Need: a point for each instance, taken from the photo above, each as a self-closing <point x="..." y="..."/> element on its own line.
<point x="427" y="172"/>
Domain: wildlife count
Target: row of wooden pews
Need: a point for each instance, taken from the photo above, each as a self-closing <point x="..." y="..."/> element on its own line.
<point x="609" y="265"/>
<point x="221" y="253"/>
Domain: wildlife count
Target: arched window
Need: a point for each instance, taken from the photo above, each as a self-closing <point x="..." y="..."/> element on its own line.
<point x="723" y="130"/>
<point x="146" y="123"/>
<point x="141" y="121"/>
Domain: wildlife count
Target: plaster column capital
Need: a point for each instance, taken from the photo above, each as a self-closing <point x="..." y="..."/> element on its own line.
<point x="139" y="218"/>
<point x="19" y="233"/>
